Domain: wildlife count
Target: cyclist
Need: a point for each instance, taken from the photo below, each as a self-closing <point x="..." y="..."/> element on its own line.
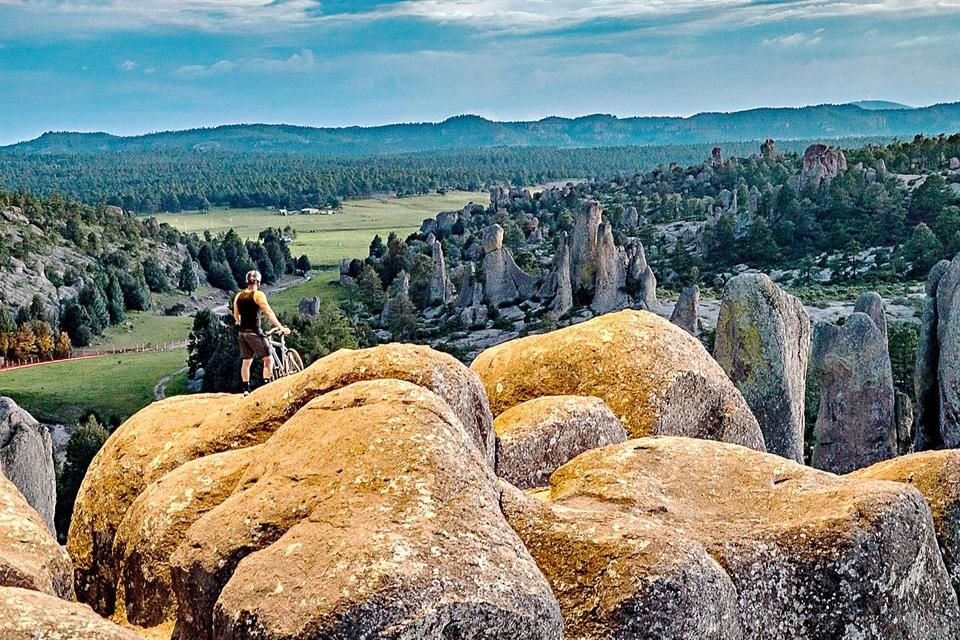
<point x="247" y="307"/>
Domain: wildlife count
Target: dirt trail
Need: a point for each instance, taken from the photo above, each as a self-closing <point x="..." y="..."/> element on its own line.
<point x="160" y="389"/>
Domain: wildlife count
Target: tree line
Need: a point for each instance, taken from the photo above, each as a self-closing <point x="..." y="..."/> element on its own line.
<point x="170" y="180"/>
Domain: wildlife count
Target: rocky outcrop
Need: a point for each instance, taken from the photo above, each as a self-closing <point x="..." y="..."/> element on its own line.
<point x="441" y="289"/>
<point x="169" y="434"/>
<point x="26" y="459"/>
<point x="903" y="419"/>
<point x="677" y="538"/>
<point x="716" y="158"/>
<point x="31" y="615"/>
<point x="926" y="380"/>
<point x="655" y="377"/>
<point x="936" y="474"/>
<point x="557" y="287"/>
<point x="345" y="278"/>
<point x="768" y="150"/>
<point x="446" y="220"/>
<point x="537" y="437"/>
<point x="583" y="248"/>
<point x="611" y="274"/>
<point x="821" y="164"/>
<point x="473" y="311"/>
<point x="855" y="426"/>
<point x="399" y="289"/>
<point x="871" y="304"/>
<point x="684" y="313"/>
<point x="948" y="365"/>
<point x="30" y="557"/>
<point x="763" y="344"/>
<point x="505" y="282"/>
<point x="154" y="526"/>
<point x="309" y="307"/>
<point x="374" y="541"/>
<point x="640" y="278"/>
<point x="631" y="218"/>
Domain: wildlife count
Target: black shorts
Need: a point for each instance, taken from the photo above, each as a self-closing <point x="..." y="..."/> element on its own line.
<point x="253" y="345"/>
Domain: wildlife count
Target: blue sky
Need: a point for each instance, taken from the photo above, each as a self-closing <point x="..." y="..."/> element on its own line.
<point x="134" y="66"/>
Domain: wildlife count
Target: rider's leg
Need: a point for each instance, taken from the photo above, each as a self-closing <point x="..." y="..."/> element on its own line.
<point x="267" y="369"/>
<point x="245" y="373"/>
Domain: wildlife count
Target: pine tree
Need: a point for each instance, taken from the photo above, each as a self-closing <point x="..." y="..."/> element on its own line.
<point x="93" y="300"/>
<point x="303" y="264"/>
<point x="188" y="280"/>
<point x="115" y="300"/>
<point x="84" y="443"/>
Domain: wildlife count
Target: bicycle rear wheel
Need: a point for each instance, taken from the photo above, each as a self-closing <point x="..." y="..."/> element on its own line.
<point x="292" y="363"/>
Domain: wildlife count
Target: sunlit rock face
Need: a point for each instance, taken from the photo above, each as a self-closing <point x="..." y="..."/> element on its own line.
<point x="655" y="377"/>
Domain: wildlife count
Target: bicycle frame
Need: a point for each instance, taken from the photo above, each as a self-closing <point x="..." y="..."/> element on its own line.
<point x="278" y="351"/>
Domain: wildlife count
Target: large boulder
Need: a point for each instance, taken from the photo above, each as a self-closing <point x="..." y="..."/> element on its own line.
<point x="441" y="289"/>
<point x="856" y="420"/>
<point x="168" y="434"/>
<point x="370" y="513"/>
<point x="31" y="615"/>
<point x="537" y="437"/>
<point x="611" y="273"/>
<point x="948" y="365"/>
<point x="936" y="474"/>
<point x="871" y="304"/>
<point x="154" y="527"/>
<point x="30" y="557"/>
<point x="154" y="441"/>
<point x="763" y="343"/>
<point x="557" y="287"/>
<point x="26" y="459"/>
<point x="926" y="380"/>
<point x="641" y="280"/>
<point x="583" y="248"/>
<point x="655" y="377"/>
<point x="684" y="313"/>
<point x="504" y="281"/>
<point x="821" y="164"/>
<point x="682" y="538"/>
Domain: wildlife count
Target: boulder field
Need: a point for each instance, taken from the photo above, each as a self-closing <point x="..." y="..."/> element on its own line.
<point x="374" y="495"/>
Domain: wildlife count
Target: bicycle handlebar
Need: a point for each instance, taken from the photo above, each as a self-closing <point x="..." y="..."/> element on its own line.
<point x="273" y="332"/>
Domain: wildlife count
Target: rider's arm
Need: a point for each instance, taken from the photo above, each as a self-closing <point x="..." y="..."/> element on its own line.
<point x="261" y="301"/>
<point x="236" y="309"/>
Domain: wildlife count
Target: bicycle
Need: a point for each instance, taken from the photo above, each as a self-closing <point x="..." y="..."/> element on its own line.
<point x="285" y="361"/>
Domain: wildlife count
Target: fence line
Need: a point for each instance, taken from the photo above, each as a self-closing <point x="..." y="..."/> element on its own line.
<point x="87" y="353"/>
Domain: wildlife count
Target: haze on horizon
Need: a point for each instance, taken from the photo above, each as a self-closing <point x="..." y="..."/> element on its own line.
<point x="132" y="66"/>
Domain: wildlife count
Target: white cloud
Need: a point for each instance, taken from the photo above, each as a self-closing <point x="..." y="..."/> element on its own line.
<point x="796" y="40"/>
<point x="128" y="65"/>
<point x="544" y="15"/>
<point x="85" y="16"/>
<point x="304" y="60"/>
<point x="78" y="17"/>
<point x="919" y="41"/>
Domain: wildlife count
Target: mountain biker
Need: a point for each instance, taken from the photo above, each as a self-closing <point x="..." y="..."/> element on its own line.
<point x="247" y="307"/>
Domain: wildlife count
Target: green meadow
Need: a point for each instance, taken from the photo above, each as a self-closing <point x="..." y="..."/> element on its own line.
<point x="326" y="239"/>
<point x="119" y="385"/>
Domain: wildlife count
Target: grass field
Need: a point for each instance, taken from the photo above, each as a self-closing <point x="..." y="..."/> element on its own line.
<point x="319" y="285"/>
<point x="328" y="239"/>
<point x="110" y="385"/>
<point x="144" y="328"/>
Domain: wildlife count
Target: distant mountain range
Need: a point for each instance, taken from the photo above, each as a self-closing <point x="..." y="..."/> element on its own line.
<point x="867" y="119"/>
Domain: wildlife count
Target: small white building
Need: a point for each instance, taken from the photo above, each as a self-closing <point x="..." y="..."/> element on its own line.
<point x="309" y="211"/>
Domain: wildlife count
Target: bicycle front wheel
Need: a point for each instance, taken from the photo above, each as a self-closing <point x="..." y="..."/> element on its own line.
<point x="292" y="362"/>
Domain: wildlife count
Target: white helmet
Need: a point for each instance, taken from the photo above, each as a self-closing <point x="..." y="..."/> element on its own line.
<point x="254" y="277"/>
